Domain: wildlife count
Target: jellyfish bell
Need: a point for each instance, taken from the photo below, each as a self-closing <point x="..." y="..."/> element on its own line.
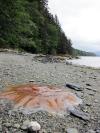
<point x="31" y="98"/>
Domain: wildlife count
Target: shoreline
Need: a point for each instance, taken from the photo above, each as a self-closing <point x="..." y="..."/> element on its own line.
<point x="25" y="68"/>
<point x="87" y="61"/>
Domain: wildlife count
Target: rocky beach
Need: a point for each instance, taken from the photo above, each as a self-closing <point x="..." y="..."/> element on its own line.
<point x="20" y="68"/>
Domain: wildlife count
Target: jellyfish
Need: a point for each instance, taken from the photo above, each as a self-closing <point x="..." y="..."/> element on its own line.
<point x="35" y="97"/>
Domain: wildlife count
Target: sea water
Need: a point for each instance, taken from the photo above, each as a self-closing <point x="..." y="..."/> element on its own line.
<point x="90" y="61"/>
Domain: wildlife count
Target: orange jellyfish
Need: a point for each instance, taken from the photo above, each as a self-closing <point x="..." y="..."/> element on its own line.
<point x="37" y="97"/>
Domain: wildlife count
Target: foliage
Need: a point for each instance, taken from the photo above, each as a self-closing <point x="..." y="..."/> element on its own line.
<point x="77" y="52"/>
<point x="28" y="25"/>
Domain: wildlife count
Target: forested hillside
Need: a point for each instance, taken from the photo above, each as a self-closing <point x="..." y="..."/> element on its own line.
<point x="28" y="25"/>
<point x="77" y="52"/>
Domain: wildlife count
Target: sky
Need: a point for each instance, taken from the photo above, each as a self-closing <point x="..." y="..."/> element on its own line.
<point x="80" y="20"/>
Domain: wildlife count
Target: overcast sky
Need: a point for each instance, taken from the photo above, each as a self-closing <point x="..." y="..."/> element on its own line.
<point x="80" y="19"/>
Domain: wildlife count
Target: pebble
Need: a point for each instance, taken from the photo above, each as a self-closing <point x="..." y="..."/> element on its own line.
<point x="16" y="125"/>
<point x="88" y="104"/>
<point x="7" y="124"/>
<point x="0" y="86"/>
<point x="0" y="128"/>
<point x="34" y="126"/>
<point x="25" y="125"/>
<point x="80" y="114"/>
<point x="31" y="126"/>
<point x="96" y="101"/>
<point x="88" y="84"/>
<point x="43" y="131"/>
<point x="91" y="131"/>
<point x="31" y="80"/>
<point x="98" y="131"/>
<point x="74" y="87"/>
<point x="88" y="88"/>
<point x="91" y="93"/>
<point x="72" y="130"/>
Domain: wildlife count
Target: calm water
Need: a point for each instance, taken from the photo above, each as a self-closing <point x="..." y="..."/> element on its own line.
<point x="87" y="61"/>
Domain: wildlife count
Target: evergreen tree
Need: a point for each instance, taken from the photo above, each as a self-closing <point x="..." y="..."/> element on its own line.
<point x="28" y="25"/>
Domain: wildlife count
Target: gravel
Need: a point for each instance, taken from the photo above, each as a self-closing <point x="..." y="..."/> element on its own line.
<point x="72" y="130"/>
<point x="24" y="68"/>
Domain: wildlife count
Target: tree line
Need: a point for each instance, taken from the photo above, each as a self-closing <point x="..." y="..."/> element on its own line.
<point x="28" y="25"/>
<point x="77" y="52"/>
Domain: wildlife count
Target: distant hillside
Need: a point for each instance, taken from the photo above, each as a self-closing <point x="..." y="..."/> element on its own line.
<point x="77" y="52"/>
<point x="28" y="25"/>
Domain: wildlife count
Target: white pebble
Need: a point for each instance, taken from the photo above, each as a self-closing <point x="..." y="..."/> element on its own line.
<point x="34" y="125"/>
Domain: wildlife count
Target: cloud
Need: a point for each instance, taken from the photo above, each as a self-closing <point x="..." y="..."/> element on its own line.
<point x="80" y="20"/>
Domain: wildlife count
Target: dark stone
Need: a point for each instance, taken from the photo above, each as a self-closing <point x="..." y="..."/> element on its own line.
<point x="88" y="104"/>
<point x="74" y="87"/>
<point x="31" y="131"/>
<point x="80" y="114"/>
<point x="88" y="84"/>
<point x="98" y="130"/>
<point x="88" y="88"/>
<point x="68" y="63"/>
